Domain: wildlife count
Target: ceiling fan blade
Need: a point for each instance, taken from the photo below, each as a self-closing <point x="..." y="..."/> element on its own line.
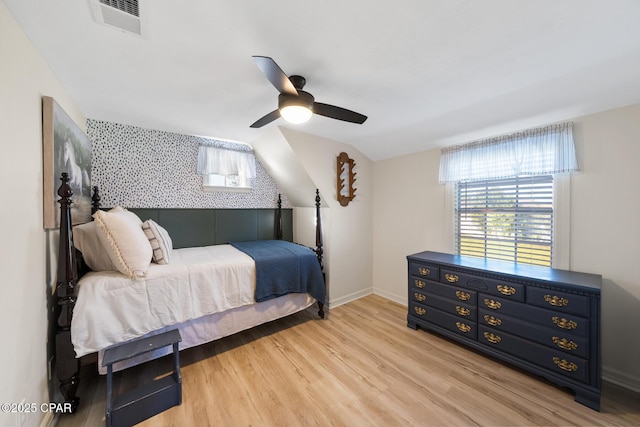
<point x="338" y="113"/>
<point x="275" y="75"/>
<point x="266" y="119"/>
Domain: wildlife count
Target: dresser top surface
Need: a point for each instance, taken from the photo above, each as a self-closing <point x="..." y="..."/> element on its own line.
<point x="545" y="274"/>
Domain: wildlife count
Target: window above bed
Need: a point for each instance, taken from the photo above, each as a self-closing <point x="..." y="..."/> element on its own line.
<point x="224" y="169"/>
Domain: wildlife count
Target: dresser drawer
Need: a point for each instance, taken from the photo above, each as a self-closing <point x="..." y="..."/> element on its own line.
<point x="551" y="319"/>
<point x="556" y="361"/>
<point x="457" y="308"/>
<point x="455" y="293"/>
<point x="417" y="282"/>
<point x="464" y="327"/>
<point x="512" y="291"/>
<point x="558" y="340"/>
<point x="424" y="271"/>
<point x="560" y="301"/>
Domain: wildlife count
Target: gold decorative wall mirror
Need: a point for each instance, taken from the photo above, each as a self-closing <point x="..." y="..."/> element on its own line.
<point x="346" y="177"/>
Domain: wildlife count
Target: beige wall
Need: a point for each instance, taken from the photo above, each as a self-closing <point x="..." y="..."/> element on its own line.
<point x="605" y="231"/>
<point x="412" y="213"/>
<point x="347" y="230"/>
<point x="24" y="78"/>
<point x="409" y="216"/>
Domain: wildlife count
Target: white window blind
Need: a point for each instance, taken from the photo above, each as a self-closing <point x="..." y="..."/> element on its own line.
<point x="508" y="219"/>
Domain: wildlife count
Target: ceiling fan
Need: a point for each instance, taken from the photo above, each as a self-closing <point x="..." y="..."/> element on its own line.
<point x="294" y="104"/>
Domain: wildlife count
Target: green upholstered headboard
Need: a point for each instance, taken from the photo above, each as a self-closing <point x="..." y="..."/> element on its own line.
<point x="206" y="227"/>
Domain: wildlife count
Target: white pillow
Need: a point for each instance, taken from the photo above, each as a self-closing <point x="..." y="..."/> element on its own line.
<point x="85" y="239"/>
<point x="124" y="241"/>
<point x="160" y="241"/>
<point x="123" y="211"/>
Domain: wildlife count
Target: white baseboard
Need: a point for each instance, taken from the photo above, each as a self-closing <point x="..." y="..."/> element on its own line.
<point x="621" y="379"/>
<point x="351" y="297"/>
<point x="391" y="296"/>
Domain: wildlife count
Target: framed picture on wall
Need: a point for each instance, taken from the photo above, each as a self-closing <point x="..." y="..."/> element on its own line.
<point x="66" y="148"/>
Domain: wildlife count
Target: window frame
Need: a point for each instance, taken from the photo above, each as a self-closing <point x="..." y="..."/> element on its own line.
<point x="208" y="187"/>
<point x="561" y="243"/>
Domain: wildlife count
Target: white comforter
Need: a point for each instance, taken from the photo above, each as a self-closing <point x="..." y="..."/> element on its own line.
<point x="112" y="308"/>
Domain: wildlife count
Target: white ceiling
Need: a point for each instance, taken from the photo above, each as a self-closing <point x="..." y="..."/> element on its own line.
<point x="428" y="73"/>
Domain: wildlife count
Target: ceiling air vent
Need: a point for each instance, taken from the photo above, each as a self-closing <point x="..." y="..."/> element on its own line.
<point x="121" y="14"/>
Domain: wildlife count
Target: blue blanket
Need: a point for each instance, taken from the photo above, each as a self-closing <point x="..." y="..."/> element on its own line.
<point x="283" y="267"/>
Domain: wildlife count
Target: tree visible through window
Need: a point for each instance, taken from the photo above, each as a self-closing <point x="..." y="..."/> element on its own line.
<point x="508" y="219"/>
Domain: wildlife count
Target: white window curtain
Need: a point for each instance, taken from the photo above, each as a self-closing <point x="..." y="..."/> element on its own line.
<point x="220" y="161"/>
<point x="542" y="151"/>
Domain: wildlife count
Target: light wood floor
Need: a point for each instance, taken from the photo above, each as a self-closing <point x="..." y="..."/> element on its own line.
<point x="361" y="367"/>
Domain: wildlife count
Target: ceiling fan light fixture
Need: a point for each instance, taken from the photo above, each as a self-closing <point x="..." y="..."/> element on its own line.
<point x="295" y="114"/>
<point x="296" y="108"/>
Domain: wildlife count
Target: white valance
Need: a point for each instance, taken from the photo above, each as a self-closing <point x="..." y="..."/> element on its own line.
<point x="542" y="151"/>
<point x="220" y="161"/>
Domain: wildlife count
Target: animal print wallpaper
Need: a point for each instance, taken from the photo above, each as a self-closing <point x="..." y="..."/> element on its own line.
<point x="144" y="168"/>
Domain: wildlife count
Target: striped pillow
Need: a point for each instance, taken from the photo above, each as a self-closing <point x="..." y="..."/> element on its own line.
<point x="160" y="241"/>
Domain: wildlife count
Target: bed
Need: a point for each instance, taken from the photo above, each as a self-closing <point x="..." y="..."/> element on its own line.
<point x="135" y="289"/>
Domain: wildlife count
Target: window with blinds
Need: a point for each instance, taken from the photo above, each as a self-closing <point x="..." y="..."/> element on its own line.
<point x="508" y="219"/>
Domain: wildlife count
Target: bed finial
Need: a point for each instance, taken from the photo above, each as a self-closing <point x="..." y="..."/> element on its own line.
<point x="65" y="191"/>
<point x="67" y="366"/>
<point x="66" y="254"/>
<point x="279" y="218"/>
<point x="319" y="250"/>
<point x="95" y="200"/>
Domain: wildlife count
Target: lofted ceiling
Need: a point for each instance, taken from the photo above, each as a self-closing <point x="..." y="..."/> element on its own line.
<point x="427" y="73"/>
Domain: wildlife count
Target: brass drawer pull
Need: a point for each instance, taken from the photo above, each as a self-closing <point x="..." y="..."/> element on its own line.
<point x="556" y="301"/>
<point x="492" y="338"/>
<point x="463" y="327"/>
<point x="494" y="305"/>
<point x="419" y="296"/>
<point x="463" y="311"/>
<point x="565" y="365"/>
<point x="564" y="343"/>
<point x="419" y="283"/>
<point x="506" y="290"/>
<point x="564" y="323"/>
<point x="493" y="321"/>
<point x="451" y="278"/>
<point x="419" y="311"/>
<point x="463" y="296"/>
<point x="424" y="271"/>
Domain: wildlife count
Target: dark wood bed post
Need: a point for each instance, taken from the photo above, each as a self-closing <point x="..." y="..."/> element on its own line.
<point x="67" y="365"/>
<point x="318" y="250"/>
<point x="95" y="200"/>
<point x="279" y="219"/>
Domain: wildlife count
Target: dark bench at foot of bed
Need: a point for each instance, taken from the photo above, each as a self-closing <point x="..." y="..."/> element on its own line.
<point x="151" y="398"/>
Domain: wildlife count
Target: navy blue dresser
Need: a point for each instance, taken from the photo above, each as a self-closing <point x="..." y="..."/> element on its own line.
<point x="543" y="320"/>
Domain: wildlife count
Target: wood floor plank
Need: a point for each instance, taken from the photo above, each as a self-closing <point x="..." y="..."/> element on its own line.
<point x="362" y="366"/>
